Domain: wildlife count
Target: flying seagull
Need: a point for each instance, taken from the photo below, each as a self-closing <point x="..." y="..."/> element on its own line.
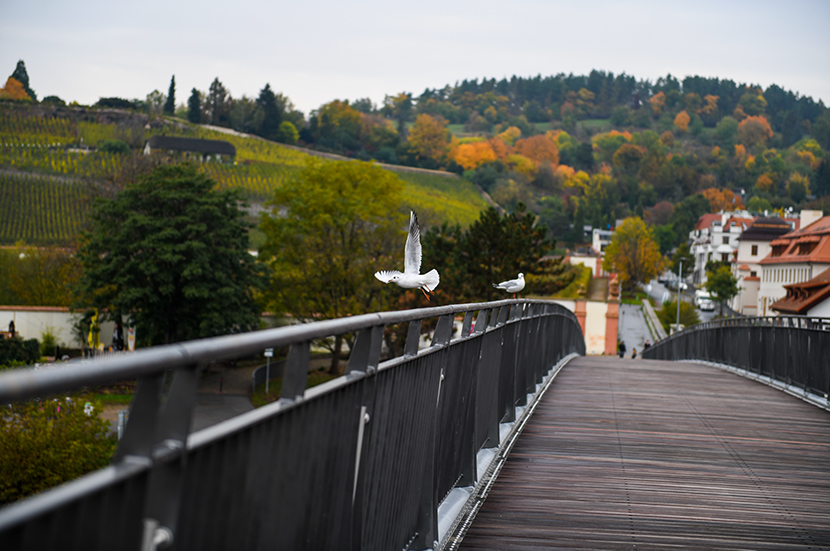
<point x="411" y="277"/>
<point x="512" y="285"/>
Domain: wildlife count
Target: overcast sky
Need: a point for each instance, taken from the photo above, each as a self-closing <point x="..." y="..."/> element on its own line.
<point x="315" y="51"/>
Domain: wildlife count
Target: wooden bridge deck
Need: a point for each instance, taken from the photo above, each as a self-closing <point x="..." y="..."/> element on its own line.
<point x="624" y="454"/>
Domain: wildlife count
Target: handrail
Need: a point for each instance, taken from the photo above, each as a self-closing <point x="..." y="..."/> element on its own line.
<point x="787" y="352"/>
<point x="360" y="462"/>
<point x="655" y="326"/>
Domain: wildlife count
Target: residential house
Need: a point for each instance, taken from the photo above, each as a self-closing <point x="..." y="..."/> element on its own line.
<point x="795" y="257"/>
<point x="715" y="237"/>
<point x="753" y="246"/>
<point x="808" y="298"/>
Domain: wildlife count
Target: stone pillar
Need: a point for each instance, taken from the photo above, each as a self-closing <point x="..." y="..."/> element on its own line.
<point x="612" y="319"/>
<point x="612" y="315"/>
<point x="581" y="311"/>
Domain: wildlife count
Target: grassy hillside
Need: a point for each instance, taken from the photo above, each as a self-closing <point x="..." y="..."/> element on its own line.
<point x="49" y="210"/>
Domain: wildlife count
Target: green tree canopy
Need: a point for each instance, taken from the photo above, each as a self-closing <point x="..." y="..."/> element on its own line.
<point x="171" y="253"/>
<point x="683" y="254"/>
<point x="494" y="248"/>
<point x="722" y="285"/>
<point x="633" y="253"/>
<point x="35" y="276"/>
<point x="333" y="225"/>
<point x="667" y="314"/>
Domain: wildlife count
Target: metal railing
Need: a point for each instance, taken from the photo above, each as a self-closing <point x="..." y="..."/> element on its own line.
<point x="359" y="462"/>
<point x="791" y="350"/>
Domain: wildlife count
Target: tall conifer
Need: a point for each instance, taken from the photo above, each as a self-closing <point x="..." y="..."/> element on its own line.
<point x="194" y="107"/>
<point x="170" y="104"/>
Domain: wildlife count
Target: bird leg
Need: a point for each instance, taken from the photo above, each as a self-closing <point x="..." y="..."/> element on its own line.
<point x="426" y="289"/>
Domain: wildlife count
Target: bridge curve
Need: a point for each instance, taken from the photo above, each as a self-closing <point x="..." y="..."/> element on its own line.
<point x="625" y="454"/>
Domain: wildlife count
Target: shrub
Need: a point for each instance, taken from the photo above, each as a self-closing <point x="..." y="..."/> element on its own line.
<point x="668" y="314"/>
<point x="578" y="288"/>
<point x="18" y="350"/>
<point x="114" y="146"/>
<point x="43" y="444"/>
<point x="48" y="341"/>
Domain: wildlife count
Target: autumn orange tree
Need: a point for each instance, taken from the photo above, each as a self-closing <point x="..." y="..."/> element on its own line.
<point x="14" y="90"/>
<point x="633" y="254"/>
<point x="473" y="155"/>
<point x="722" y="199"/>
<point x="540" y="148"/>
<point x="681" y="121"/>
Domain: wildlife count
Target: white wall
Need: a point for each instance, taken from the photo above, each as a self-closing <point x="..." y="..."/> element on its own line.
<point x="595" y="323"/>
<point x="31" y="323"/>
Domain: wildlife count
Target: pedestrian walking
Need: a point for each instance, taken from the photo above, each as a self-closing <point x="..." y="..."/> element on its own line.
<point x="633" y="353"/>
<point x="647" y="345"/>
<point x="622" y="349"/>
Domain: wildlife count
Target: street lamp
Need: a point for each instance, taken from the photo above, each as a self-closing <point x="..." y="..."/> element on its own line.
<point x="679" y="272"/>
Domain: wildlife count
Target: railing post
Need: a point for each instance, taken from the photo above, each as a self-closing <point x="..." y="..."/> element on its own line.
<point x="157" y="432"/>
<point x="413" y="338"/>
<point x="365" y="356"/>
<point x="295" y="376"/>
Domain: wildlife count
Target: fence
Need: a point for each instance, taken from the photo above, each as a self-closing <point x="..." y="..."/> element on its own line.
<point x="787" y="351"/>
<point x="360" y="462"/>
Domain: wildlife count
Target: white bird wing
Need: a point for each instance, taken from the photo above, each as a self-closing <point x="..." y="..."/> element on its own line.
<point x="412" y="252"/>
<point x="386" y="275"/>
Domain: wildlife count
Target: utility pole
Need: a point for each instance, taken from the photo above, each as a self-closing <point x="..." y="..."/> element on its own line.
<point x="679" y="273"/>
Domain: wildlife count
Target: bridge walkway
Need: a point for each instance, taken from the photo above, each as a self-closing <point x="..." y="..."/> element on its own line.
<point x="639" y="454"/>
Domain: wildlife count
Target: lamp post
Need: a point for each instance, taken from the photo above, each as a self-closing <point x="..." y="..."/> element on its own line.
<point x="679" y="272"/>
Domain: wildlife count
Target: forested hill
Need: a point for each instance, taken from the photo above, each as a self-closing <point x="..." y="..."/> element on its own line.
<point x="600" y="95"/>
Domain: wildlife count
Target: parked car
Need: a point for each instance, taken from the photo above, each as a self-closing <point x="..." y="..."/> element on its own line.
<point x="701" y="294"/>
<point x="706" y="304"/>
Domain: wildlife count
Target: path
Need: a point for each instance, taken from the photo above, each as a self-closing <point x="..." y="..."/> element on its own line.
<point x="645" y="454"/>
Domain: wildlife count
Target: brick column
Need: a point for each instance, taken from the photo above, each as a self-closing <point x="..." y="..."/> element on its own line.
<point x="581" y="311"/>
<point x="612" y="319"/>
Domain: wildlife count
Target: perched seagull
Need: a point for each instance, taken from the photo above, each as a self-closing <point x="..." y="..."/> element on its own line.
<point x="512" y="285"/>
<point x="411" y="277"/>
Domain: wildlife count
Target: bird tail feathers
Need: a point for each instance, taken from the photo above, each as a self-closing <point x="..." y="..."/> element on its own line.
<point x="432" y="279"/>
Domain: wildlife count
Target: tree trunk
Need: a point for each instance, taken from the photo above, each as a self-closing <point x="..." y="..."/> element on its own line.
<point x="334" y="368"/>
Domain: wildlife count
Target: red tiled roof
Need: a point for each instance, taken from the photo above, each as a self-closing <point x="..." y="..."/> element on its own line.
<point x="743" y="267"/>
<point x="752" y="278"/>
<point x="817" y="233"/>
<point x="735" y="221"/>
<point x="801" y="297"/>
<point x="706" y="220"/>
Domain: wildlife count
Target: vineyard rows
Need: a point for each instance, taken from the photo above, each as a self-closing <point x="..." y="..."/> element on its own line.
<point x="55" y="160"/>
<point x="41" y="210"/>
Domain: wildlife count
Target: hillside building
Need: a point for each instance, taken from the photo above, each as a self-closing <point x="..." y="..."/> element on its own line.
<point x="194" y="148"/>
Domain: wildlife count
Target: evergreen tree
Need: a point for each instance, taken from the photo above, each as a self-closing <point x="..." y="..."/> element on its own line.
<point x="172" y="252"/>
<point x="170" y="104"/>
<point x="272" y="118"/>
<point x="217" y="104"/>
<point x="22" y="76"/>
<point x="194" y="107"/>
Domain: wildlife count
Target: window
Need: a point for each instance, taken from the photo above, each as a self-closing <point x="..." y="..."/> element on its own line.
<point x="753" y="274"/>
<point x="725" y="239"/>
<point x="724" y="257"/>
<point x="755" y="250"/>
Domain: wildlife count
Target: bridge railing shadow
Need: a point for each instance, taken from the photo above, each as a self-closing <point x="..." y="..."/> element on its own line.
<point x="789" y="352"/>
<point x="360" y="462"/>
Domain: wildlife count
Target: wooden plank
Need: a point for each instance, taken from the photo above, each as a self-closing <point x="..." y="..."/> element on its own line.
<point x="624" y="454"/>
